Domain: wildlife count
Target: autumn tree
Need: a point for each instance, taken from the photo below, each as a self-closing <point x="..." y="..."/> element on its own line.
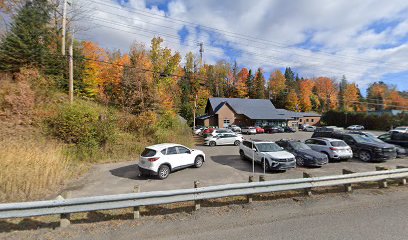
<point x="95" y="62"/>
<point x="165" y="74"/>
<point x="277" y="85"/>
<point x="327" y="92"/>
<point x="139" y="93"/>
<point x="306" y="92"/>
<point x="292" y="102"/>
<point x="377" y="94"/>
<point x="241" y="86"/>
<point x="259" y="84"/>
<point x="350" y="97"/>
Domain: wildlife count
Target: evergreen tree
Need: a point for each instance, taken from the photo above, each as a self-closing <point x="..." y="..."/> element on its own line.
<point x="249" y="83"/>
<point x="259" y="85"/>
<point x="290" y="78"/>
<point x="342" y="88"/>
<point x="27" y="43"/>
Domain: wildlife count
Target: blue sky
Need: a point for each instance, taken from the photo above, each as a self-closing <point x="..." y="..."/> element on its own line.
<point x="364" y="40"/>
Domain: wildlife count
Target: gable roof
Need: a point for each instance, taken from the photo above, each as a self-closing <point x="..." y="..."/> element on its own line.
<point x="252" y="108"/>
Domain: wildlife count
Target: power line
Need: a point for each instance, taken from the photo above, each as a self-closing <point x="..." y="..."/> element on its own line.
<point x="236" y="35"/>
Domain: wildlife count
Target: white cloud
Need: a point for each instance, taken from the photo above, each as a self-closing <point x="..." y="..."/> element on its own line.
<point x="275" y="29"/>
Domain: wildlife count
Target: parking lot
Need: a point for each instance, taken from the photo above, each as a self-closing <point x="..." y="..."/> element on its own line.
<point x="223" y="166"/>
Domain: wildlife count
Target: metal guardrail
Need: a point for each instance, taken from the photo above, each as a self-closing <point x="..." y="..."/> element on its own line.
<point x="86" y="204"/>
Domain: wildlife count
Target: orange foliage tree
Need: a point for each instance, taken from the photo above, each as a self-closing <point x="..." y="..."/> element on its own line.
<point x="351" y="97"/>
<point x="327" y="92"/>
<point x="241" y="85"/>
<point x="306" y="91"/>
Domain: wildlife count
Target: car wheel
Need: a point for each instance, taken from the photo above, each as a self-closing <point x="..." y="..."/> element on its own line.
<point x="164" y="171"/>
<point x="300" y="161"/>
<point x="236" y="143"/>
<point x="212" y="143"/>
<point x="365" y="156"/>
<point x="328" y="156"/>
<point x="198" y="162"/>
<point x="242" y="154"/>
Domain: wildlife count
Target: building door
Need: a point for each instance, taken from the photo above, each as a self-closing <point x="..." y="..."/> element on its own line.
<point x="226" y="123"/>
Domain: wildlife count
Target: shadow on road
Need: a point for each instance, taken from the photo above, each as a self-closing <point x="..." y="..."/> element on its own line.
<point x="129" y="171"/>
<point x="235" y="161"/>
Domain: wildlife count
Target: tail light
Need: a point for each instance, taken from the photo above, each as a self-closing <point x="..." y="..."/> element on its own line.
<point x="334" y="149"/>
<point x="153" y="159"/>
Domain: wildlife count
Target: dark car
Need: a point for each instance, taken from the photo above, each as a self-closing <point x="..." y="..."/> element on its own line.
<point x="364" y="147"/>
<point x="289" y="129"/>
<point x="273" y="129"/>
<point x="396" y="138"/>
<point x="305" y="156"/>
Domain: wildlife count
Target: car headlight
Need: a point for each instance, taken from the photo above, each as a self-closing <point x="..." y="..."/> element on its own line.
<point x="378" y="149"/>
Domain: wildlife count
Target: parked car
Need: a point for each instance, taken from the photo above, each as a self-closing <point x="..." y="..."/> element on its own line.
<point x="162" y="159"/>
<point x="269" y="154"/>
<point x="223" y="139"/>
<point x="402" y="129"/>
<point x="248" y="130"/>
<point x="305" y="156"/>
<point x="395" y="138"/>
<point x="386" y="138"/>
<point x="198" y="129"/>
<point x="221" y="130"/>
<point x="302" y="126"/>
<point x="207" y="131"/>
<point x="235" y="128"/>
<point x="273" y="129"/>
<point x="259" y="130"/>
<point x="355" y="127"/>
<point x="289" y="129"/>
<point x="364" y="147"/>
<point x="335" y="149"/>
<point x="309" y="129"/>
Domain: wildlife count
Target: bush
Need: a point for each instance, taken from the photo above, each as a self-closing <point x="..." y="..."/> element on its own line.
<point x="84" y="124"/>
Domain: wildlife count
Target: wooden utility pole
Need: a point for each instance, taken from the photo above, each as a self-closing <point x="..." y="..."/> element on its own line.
<point x="64" y="22"/>
<point x="71" y="70"/>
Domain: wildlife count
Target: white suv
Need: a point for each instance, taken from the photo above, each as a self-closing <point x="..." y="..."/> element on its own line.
<point x="333" y="148"/>
<point x="223" y="139"/>
<point x="268" y="153"/>
<point x="248" y="130"/>
<point x="162" y="159"/>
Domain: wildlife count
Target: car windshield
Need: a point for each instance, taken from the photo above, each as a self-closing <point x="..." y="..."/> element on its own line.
<point x="268" y="147"/>
<point x="363" y="139"/>
<point x="401" y="128"/>
<point x="299" y="146"/>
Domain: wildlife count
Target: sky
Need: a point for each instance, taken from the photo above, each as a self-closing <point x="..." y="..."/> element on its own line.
<point x="365" y="40"/>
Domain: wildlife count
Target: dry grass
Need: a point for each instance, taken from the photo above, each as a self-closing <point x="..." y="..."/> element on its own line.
<point x="31" y="169"/>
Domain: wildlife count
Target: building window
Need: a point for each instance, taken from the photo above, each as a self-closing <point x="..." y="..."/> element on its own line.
<point x="312" y="120"/>
<point x="300" y="120"/>
<point x="307" y="119"/>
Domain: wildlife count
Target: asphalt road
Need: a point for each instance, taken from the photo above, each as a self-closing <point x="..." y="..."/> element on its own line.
<point x="223" y="166"/>
<point x="365" y="214"/>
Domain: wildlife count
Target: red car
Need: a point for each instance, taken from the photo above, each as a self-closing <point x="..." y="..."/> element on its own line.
<point x="259" y="130"/>
<point x="207" y="131"/>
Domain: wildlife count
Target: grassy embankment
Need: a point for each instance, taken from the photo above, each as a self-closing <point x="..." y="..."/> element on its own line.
<point x="45" y="142"/>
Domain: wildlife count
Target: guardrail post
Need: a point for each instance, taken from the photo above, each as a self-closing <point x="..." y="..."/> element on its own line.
<point x="308" y="191"/>
<point x="136" y="210"/>
<point x="197" y="205"/>
<point x="65" y="218"/>
<point x="382" y="183"/>
<point x="348" y="187"/>
<point x="249" y="197"/>
<point x="262" y="178"/>
<point x="403" y="181"/>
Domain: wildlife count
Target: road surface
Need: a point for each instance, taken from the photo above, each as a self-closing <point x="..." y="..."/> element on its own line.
<point x="365" y="214"/>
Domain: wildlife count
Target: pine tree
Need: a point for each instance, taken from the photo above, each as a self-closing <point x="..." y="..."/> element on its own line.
<point x="27" y="43"/>
<point x="249" y="82"/>
<point x="290" y="78"/>
<point x="259" y="85"/>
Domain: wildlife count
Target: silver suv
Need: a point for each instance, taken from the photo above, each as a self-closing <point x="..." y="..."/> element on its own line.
<point x="334" y="148"/>
<point x="269" y="154"/>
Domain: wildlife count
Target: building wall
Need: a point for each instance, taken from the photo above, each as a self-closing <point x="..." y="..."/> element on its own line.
<point x="225" y="115"/>
<point x="309" y="120"/>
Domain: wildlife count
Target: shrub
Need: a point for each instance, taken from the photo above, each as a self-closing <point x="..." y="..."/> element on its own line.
<point x="84" y="124"/>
